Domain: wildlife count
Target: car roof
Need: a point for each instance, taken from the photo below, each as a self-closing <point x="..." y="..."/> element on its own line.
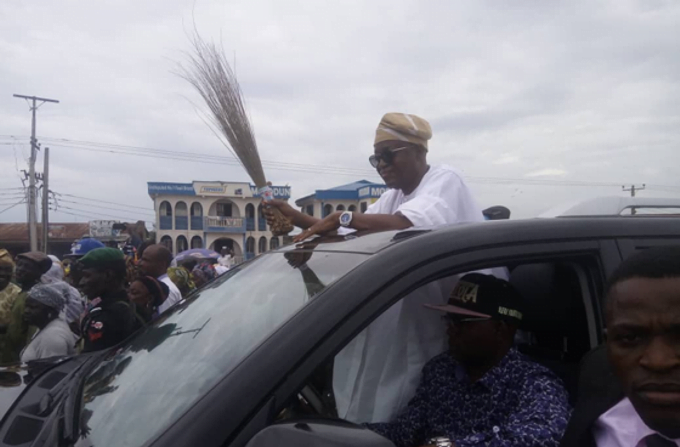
<point x="611" y="206"/>
<point x="499" y="232"/>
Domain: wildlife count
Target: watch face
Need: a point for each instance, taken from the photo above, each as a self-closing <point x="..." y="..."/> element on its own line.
<point x="345" y="218"/>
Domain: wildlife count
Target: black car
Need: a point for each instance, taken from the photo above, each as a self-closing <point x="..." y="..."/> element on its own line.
<point x="251" y="351"/>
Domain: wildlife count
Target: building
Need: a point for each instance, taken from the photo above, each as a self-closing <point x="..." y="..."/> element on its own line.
<point x="61" y="236"/>
<point x="213" y="215"/>
<point x="14" y="237"/>
<point x="357" y="196"/>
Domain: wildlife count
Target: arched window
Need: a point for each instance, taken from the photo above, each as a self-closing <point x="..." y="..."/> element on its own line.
<point x="340" y="208"/>
<point x="181" y="216"/>
<point x="165" y="209"/>
<point x="167" y="241"/>
<point x="196" y="209"/>
<point x="250" y="247"/>
<point x="274" y="243"/>
<point x="165" y="216"/>
<point x="250" y="217"/>
<point x="261" y="221"/>
<point x="250" y="210"/>
<point x="352" y="208"/>
<point x="262" y="245"/>
<point x="196" y="216"/>
<point x="327" y="210"/>
<point x="182" y="244"/>
<point x="196" y="242"/>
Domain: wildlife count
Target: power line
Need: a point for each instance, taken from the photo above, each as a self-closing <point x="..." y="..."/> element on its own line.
<point x="209" y="159"/>
<point x="12" y="206"/>
<point x="59" y="207"/>
<point x="213" y="159"/>
<point x="102" y="201"/>
<point x="99" y="206"/>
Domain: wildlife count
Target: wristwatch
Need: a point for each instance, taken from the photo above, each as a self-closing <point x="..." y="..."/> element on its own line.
<point x="440" y="441"/>
<point x="345" y="219"/>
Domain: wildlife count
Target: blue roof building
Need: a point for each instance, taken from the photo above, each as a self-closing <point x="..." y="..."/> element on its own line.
<point x="356" y="196"/>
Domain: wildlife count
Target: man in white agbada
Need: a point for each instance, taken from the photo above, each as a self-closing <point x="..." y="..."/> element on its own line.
<point x="377" y="373"/>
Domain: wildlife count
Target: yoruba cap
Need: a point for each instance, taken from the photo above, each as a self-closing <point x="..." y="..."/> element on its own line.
<point x="403" y="127"/>
<point x="478" y="295"/>
<point x="102" y="257"/>
<point x="6" y="258"/>
<point x="84" y="246"/>
<point x="48" y="294"/>
<point x="40" y="258"/>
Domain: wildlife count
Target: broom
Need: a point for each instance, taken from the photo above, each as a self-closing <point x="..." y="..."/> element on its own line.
<point x="211" y="75"/>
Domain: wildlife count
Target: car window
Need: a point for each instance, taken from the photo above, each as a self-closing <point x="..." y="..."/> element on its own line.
<point x="554" y="333"/>
<point x="166" y="368"/>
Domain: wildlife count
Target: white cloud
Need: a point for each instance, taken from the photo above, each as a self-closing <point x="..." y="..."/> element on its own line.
<point x="511" y="89"/>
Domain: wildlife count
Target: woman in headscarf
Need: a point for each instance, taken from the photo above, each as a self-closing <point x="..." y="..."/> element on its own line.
<point x="181" y="277"/>
<point x="54" y="337"/>
<point x="203" y="273"/>
<point x="74" y="302"/>
<point x="148" y="293"/>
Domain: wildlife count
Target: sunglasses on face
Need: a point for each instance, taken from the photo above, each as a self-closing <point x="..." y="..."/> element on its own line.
<point x="456" y="319"/>
<point x="386" y="156"/>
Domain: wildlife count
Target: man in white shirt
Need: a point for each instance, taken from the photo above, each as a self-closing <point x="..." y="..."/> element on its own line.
<point x="155" y="262"/>
<point x="377" y="373"/>
<point x="629" y="393"/>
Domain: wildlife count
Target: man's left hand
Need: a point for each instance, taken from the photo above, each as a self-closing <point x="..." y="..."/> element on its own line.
<point x="330" y="223"/>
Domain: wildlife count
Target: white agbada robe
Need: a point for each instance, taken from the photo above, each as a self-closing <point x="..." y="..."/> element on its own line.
<point x="376" y="375"/>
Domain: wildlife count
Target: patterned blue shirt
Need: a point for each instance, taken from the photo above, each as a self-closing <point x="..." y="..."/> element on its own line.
<point x="516" y="403"/>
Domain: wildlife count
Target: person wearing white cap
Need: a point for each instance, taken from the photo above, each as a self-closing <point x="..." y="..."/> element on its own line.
<point x="54" y="337"/>
<point x="377" y="373"/>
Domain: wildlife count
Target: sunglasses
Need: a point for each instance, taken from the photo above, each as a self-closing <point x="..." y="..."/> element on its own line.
<point x="455" y="319"/>
<point x="386" y="156"/>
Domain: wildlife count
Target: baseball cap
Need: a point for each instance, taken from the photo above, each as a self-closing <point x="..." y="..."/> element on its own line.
<point x="84" y="246"/>
<point x="479" y="295"/>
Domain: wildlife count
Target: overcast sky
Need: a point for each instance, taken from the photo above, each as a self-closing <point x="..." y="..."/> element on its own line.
<point x="533" y="91"/>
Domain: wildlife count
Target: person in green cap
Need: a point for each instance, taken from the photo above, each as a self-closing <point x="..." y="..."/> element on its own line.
<point x="111" y="317"/>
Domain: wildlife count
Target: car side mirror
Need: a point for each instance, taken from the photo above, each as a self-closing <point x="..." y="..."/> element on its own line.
<point x="318" y="433"/>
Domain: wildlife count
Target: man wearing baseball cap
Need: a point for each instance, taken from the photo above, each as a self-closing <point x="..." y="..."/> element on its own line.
<point x="482" y="391"/>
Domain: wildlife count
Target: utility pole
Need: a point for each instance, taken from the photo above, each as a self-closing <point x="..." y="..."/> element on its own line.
<point x="31" y="202"/>
<point x="45" y="200"/>
<point x="633" y="189"/>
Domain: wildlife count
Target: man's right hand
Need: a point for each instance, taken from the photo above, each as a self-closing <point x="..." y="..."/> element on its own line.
<point x="283" y="206"/>
<point x="296" y="217"/>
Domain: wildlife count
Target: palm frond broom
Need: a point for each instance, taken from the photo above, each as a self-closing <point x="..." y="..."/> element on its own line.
<point x="209" y="72"/>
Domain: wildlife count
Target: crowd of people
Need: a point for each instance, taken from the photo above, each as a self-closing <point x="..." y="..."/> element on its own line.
<point x="402" y="376"/>
<point x="92" y="300"/>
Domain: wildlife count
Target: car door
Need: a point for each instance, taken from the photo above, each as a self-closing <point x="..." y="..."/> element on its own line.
<point x="591" y="258"/>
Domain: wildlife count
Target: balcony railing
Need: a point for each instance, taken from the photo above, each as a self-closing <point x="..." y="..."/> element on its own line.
<point x="196" y="222"/>
<point x="261" y="224"/>
<point x="181" y="223"/>
<point x="165" y="222"/>
<point x="224" y="224"/>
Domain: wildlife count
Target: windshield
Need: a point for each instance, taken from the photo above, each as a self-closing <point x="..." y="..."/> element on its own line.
<point x="175" y="361"/>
